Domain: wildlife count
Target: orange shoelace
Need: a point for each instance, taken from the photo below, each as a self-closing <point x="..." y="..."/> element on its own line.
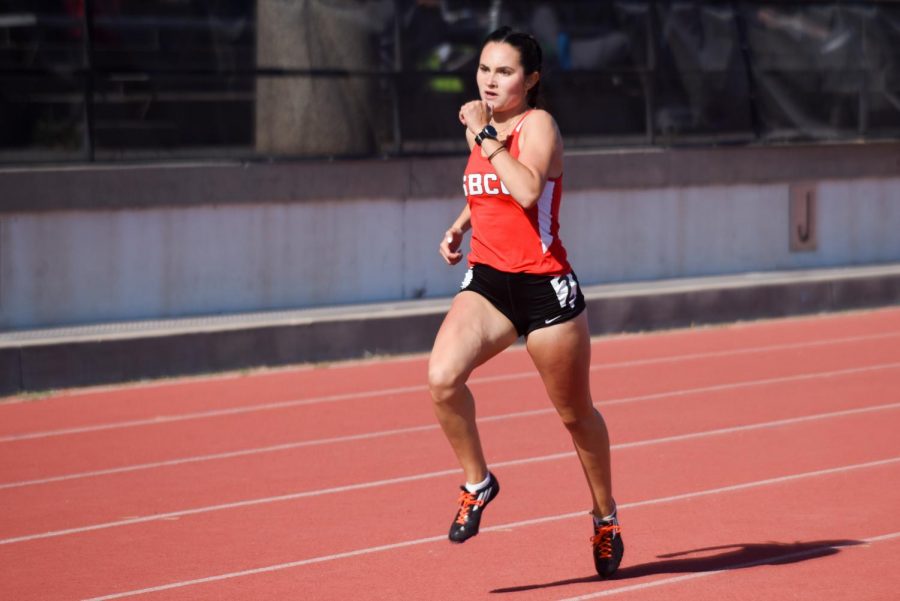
<point x="466" y="502"/>
<point x="603" y="539"/>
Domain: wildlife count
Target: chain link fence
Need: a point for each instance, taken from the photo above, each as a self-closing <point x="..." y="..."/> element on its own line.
<point x="110" y="80"/>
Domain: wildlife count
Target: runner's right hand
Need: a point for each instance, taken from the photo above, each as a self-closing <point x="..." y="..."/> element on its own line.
<point x="450" y="245"/>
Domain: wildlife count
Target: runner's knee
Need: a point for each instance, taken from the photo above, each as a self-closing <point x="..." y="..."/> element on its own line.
<point x="577" y="422"/>
<point x="443" y="382"/>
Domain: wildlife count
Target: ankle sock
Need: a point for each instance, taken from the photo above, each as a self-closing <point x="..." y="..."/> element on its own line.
<point x="610" y="518"/>
<point x="475" y="487"/>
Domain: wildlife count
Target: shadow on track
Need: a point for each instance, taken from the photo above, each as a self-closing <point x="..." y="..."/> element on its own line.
<point x="725" y="557"/>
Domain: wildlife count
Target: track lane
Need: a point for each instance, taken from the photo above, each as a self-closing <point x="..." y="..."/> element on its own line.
<point x="159" y="550"/>
<point x="97" y="500"/>
<point x="149" y="400"/>
<point x="551" y="560"/>
<point x="32" y="459"/>
<point x="862" y="570"/>
<point x="275" y="533"/>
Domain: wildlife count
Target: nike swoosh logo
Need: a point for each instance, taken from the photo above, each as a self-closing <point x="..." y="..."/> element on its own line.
<point x="549" y="321"/>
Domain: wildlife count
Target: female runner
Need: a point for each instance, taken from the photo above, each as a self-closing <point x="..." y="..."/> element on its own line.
<point x="519" y="283"/>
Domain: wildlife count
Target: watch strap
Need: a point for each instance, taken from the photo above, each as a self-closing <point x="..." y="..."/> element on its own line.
<point x="487" y="132"/>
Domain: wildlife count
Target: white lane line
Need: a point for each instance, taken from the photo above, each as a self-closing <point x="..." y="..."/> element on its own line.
<point x="164" y="419"/>
<point x="752" y="383"/>
<point x="520" y="524"/>
<point x="437" y="474"/>
<point x="748" y="351"/>
<point x="428" y="427"/>
<point x="811" y="551"/>
<point x="772" y="424"/>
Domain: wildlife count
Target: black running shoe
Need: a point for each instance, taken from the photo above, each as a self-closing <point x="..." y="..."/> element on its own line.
<point x="608" y="547"/>
<point x="471" y="506"/>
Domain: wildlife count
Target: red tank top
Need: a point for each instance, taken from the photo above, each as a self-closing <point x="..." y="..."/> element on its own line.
<point x="506" y="236"/>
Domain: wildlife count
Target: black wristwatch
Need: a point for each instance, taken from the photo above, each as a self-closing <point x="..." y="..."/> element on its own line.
<point x="487" y="132"/>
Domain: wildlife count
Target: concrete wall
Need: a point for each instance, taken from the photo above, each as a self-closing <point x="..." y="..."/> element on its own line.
<point x="99" y="244"/>
<point x="95" y="266"/>
<point x="627" y="235"/>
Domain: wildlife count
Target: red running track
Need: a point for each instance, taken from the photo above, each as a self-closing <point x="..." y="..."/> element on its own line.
<point x="751" y="461"/>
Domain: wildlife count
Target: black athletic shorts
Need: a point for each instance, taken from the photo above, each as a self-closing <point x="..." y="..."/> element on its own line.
<point x="529" y="301"/>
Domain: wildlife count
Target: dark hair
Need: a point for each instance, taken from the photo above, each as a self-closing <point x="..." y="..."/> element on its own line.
<point x="530" y="55"/>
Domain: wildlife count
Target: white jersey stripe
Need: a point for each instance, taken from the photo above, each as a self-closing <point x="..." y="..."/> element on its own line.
<point x="545" y="215"/>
